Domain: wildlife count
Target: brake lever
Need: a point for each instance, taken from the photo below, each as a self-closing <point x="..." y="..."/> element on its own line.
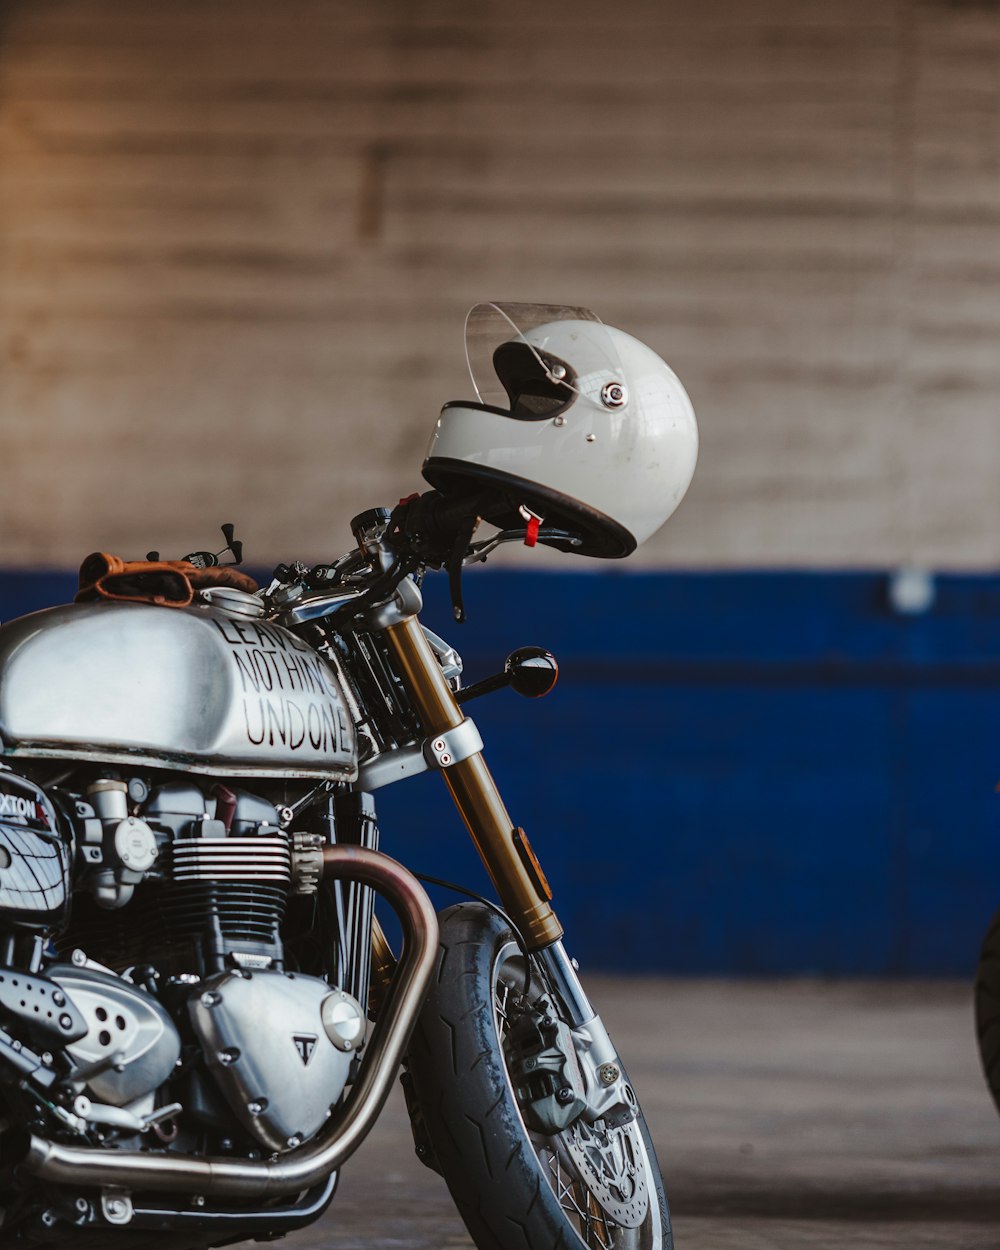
<point x="478" y="552"/>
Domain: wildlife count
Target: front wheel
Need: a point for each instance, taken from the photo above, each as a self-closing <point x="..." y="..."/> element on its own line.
<point x="988" y="1008"/>
<point x="517" y="1187"/>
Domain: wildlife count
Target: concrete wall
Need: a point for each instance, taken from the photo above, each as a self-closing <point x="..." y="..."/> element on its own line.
<point x="237" y="241"/>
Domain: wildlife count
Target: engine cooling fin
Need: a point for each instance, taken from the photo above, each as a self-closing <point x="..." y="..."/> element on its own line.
<point x="218" y="898"/>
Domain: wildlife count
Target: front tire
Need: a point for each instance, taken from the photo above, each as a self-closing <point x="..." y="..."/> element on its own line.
<point x="988" y="1008"/>
<point x="516" y="1189"/>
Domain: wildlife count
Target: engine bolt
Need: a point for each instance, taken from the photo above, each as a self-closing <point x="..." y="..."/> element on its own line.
<point x="59" y="998"/>
<point x="565" y="1095"/>
<point x="197" y="1200"/>
<point x="293" y="1141"/>
<point x="211" y="998"/>
<point x="609" y="1073"/>
<point x="228" y="1057"/>
<point x="257" y="1107"/>
<point x="66" y="1021"/>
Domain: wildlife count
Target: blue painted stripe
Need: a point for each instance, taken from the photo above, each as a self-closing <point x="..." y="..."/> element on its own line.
<point x="748" y="773"/>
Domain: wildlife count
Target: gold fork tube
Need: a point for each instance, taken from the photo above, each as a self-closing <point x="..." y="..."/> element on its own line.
<point x="383" y="967"/>
<point x="473" y="789"/>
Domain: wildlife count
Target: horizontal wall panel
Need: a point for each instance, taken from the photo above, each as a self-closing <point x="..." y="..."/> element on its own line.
<point x="742" y="773"/>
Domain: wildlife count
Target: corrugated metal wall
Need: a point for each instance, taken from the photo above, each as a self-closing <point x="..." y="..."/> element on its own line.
<point x="237" y="241"/>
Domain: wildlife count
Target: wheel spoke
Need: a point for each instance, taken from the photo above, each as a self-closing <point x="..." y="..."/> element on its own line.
<point x="501" y="995"/>
<point x="589" y="1218"/>
<point x="584" y="1211"/>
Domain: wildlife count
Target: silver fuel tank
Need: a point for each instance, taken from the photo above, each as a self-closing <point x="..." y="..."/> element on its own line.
<point x="193" y="688"/>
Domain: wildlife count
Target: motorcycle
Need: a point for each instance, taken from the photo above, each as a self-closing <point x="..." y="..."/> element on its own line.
<point x="201" y="1015"/>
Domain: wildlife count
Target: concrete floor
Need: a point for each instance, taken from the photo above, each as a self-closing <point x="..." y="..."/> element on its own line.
<point x="786" y="1116"/>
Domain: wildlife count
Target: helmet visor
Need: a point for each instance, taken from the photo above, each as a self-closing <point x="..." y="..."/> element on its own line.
<point x="535" y="360"/>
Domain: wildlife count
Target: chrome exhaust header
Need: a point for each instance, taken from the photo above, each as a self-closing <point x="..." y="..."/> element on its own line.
<point x="349" y="1124"/>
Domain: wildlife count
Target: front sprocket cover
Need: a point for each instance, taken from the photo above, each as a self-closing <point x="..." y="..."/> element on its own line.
<point x="265" y="1043"/>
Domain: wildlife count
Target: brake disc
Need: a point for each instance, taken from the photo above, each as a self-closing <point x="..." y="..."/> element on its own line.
<point x="611" y="1165"/>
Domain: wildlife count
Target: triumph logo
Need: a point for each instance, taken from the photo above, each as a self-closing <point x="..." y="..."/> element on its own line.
<point x="15" y="805"/>
<point x="305" y="1044"/>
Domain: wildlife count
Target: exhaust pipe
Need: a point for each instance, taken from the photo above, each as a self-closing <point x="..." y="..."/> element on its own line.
<point x="347" y="1127"/>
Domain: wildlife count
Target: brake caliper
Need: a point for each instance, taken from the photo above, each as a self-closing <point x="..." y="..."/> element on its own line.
<point x="544" y="1072"/>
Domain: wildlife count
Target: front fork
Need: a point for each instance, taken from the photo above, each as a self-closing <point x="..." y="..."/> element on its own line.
<point x="510" y="862"/>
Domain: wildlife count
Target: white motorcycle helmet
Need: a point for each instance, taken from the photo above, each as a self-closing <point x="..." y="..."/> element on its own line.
<point x="582" y="427"/>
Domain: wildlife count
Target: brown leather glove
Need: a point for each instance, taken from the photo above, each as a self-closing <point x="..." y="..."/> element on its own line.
<point x="170" y="583"/>
<point x="220" y="575"/>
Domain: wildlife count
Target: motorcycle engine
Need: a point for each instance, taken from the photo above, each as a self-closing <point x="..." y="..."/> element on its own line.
<point x="211" y="875"/>
<point x="163" y="1009"/>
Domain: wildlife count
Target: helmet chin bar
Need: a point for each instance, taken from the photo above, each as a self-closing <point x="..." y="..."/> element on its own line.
<point x="499" y="496"/>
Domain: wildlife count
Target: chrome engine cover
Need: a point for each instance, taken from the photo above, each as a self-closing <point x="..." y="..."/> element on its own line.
<point x="266" y="1044"/>
<point x="124" y="1020"/>
<point x="193" y="688"/>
